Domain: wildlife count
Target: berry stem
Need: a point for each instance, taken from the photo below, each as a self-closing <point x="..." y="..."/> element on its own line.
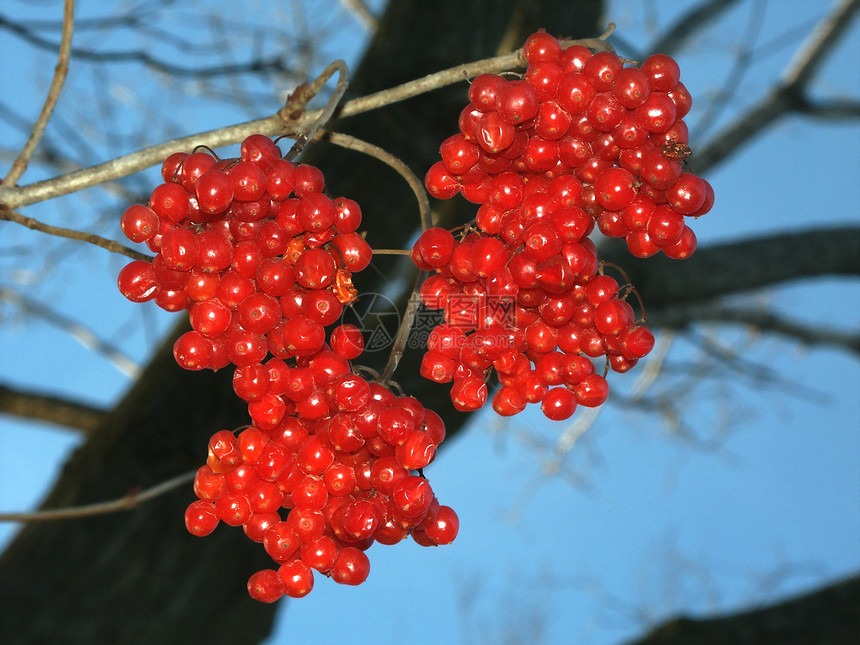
<point x="390" y="252"/>
<point x="417" y="186"/>
<point x="403" y="331"/>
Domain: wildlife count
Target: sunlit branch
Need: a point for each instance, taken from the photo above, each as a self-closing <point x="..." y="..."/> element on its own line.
<point x="274" y="125"/>
<point x="361" y="13"/>
<point x="127" y="503"/>
<point x="60" y="72"/>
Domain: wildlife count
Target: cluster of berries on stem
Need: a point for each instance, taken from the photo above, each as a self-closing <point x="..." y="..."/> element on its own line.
<point x="262" y="260"/>
<point x="580" y="143"/>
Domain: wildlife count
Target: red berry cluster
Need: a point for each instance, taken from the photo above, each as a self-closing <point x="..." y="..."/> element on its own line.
<point x="619" y="131"/>
<point x="580" y="142"/>
<point x="253" y="248"/>
<point x="342" y="466"/>
<point x="535" y="310"/>
<point x="262" y="260"/>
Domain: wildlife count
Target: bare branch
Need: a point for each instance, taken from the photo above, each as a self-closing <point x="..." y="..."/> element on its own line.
<point x="786" y="95"/>
<point x="765" y="321"/>
<point x="403" y="331"/>
<point x="60" y="72"/>
<point x="127" y="503"/>
<point x="291" y="109"/>
<point x="274" y="63"/>
<point x="830" y="110"/>
<point x="72" y="234"/>
<point x="741" y="266"/>
<point x="688" y="26"/>
<point x="14" y="197"/>
<point x="50" y="409"/>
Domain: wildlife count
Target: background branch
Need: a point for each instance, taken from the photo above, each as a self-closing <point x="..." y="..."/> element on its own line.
<point x="60" y="72"/>
<point x="56" y="410"/>
<point x="71" y="234"/>
<point x="785" y="96"/>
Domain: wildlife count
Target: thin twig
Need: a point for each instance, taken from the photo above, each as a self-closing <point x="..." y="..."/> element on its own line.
<point x="126" y="503"/>
<point x="417" y="186"/>
<point x="72" y="234"/>
<point x="361" y="13"/>
<point x="403" y="331"/>
<point x="289" y="110"/>
<point x="16" y="196"/>
<point x="60" y="72"/>
<point x="76" y="330"/>
<point x="391" y="252"/>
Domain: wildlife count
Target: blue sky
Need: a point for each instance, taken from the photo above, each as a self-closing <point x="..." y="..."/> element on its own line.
<point x="639" y="522"/>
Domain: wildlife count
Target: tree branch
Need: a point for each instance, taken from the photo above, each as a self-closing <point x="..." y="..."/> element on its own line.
<point x="127" y="502"/>
<point x="831" y="109"/>
<point x="50" y="409"/>
<point x="740" y="266"/>
<point x="786" y="95"/>
<point x="687" y="26"/>
<point x="274" y="63"/>
<point x="417" y="186"/>
<point x="14" y="197"/>
<point x="60" y="72"/>
<point x="71" y="234"/>
<point x="766" y="321"/>
<point x="76" y="330"/>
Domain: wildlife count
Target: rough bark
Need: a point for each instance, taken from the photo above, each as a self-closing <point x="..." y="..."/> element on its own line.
<point x="139" y="577"/>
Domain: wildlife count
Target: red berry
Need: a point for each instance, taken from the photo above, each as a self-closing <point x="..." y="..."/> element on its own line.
<point x="201" y="518"/>
<point x="351" y="567"/>
<point x="446" y="526"/>
<point x="266" y="586"/>
<point x="192" y="351"/>
<point x="298" y="578"/>
<point x="136" y="281"/>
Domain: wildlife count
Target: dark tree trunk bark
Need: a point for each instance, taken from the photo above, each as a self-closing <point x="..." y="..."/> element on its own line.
<point x="139" y="577"/>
